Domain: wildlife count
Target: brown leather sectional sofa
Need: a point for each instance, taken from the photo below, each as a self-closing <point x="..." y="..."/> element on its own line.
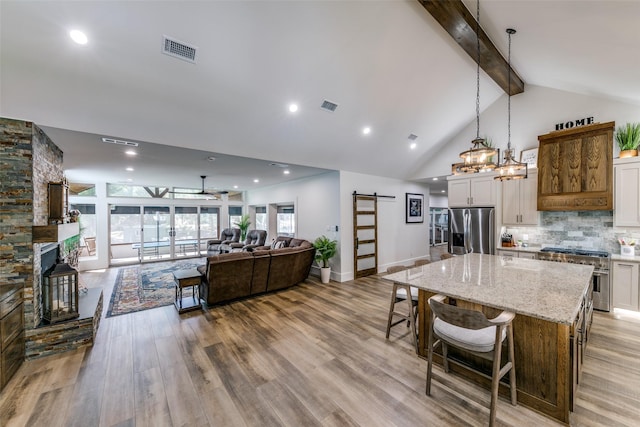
<point x="236" y="275"/>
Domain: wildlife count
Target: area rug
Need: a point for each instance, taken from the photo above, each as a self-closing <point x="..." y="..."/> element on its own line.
<point x="146" y="286"/>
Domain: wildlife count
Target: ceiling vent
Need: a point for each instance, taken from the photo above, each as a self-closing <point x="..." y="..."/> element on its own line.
<point x="119" y="142"/>
<point x="178" y="49"/>
<point x="280" y="165"/>
<point x="412" y="137"/>
<point x="329" y="106"/>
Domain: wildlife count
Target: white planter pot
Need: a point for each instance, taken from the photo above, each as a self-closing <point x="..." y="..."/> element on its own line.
<point x="325" y="274"/>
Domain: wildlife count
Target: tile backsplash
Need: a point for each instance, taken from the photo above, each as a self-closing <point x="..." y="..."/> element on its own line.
<point x="576" y="229"/>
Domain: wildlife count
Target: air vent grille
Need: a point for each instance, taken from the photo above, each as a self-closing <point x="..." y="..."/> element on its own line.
<point x="329" y="106"/>
<point x="119" y="142"/>
<point x="178" y="49"/>
<point x="412" y="137"/>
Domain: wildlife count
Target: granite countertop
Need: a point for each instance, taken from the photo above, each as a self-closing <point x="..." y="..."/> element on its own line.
<point x="618" y="257"/>
<point x="541" y="289"/>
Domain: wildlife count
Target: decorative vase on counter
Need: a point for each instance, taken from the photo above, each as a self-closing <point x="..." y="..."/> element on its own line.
<point x="627" y="250"/>
<point x="628" y="153"/>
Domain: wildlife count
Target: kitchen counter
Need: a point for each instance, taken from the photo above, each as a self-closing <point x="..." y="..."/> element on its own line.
<point x="618" y="257"/>
<point x="551" y="301"/>
<point x="540" y="289"/>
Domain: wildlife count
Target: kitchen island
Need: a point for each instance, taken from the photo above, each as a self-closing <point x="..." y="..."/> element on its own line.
<point x="552" y="306"/>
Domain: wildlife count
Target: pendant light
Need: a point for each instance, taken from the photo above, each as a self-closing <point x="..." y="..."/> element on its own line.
<point x="510" y="168"/>
<point x="477" y="158"/>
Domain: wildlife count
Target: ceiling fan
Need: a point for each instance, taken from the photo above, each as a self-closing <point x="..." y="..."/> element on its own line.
<point x="202" y="192"/>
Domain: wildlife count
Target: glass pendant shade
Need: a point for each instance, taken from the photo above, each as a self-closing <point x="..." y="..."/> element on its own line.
<point x="510" y="168"/>
<point x="477" y="159"/>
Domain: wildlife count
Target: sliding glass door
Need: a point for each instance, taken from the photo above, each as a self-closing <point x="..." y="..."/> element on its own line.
<point x="152" y="233"/>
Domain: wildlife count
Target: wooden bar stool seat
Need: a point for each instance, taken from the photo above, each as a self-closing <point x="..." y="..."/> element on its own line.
<point x="399" y="294"/>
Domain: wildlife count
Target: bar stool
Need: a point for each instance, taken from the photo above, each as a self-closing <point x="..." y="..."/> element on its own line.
<point x="471" y="331"/>
<point x="399" y="294"/>
<point x="420" y="262"/>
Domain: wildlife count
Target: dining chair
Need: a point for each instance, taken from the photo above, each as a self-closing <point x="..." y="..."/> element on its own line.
<point x="471" y="331"/>
<point x="402" y="292"/>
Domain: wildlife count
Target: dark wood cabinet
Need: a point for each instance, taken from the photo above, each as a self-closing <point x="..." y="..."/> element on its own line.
<point x="11" y="332"/>
<point x="575" y="169"/>
<point x="58" y="202"/>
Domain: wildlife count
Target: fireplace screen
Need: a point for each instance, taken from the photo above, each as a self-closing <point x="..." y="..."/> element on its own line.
<point x="60" y="294"/>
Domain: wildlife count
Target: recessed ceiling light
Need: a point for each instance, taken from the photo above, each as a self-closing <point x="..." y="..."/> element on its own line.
<point x="286" y="172"/>
<point x="413" y="145"/>
<point x="78" y="37"/>
<point x="293" y="108"/>
<point x="256" y="180"/>
<point x="129" y="169"/>
<point x="130" y="153"/>
<point x="366" y="130"/>
<point x="235" y="186"/>
<point x="443" y="191"/>
<point x="435" y="179"/>
<point x="129" y="180"/>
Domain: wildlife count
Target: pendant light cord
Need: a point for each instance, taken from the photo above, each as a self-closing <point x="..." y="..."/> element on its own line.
<point x="478" y="70"/>
<point x="509" y="31"/>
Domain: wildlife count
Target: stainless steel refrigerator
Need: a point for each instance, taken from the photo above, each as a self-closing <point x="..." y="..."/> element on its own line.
<point x="472" y="230"/>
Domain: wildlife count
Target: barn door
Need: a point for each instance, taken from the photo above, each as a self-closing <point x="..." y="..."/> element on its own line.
<point x="365" y="234"/>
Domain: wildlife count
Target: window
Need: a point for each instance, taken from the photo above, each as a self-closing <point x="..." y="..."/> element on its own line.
<point x="209" y="218"/>
<point x="261" y="218"/>
<point x="286" y="221"/>
<point x="88" y="226"/>
<point x="235" y="215"/>
<point x="86" y="190"/>
<point x="124" y="190"/>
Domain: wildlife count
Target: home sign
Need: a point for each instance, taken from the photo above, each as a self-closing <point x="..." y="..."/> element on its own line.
<point x="574" y="123"/>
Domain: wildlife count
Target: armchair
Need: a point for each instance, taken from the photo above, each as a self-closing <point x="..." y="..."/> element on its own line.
<point x="255" y="238"/>
<point x="227" y="236"/>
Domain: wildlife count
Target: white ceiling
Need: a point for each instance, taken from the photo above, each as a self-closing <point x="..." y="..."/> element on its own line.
<point x="387" y="64"/>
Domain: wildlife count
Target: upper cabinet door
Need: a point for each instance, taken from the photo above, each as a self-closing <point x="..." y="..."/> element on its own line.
<point x="627" y="195"/>
<point x="529" y="200"/>
<point x="511" y="202"/>
<point x="483" y="191"/>
<point x="459" y="193"/>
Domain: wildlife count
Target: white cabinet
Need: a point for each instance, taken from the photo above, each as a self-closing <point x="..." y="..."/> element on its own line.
<point x="625" y="285"/>
<point x="626" y="200"/>
<point x="474" y="191"/>
<point x="519" y="201"/>
<point x="516" y="253"/>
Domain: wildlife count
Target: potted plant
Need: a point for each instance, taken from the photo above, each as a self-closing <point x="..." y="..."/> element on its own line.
<point x="628" y="139"/>
<point x="243" y="225"/>
<point x="325" y="250"/>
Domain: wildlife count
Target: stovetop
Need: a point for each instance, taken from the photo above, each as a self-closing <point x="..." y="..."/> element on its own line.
<point x="579" y="252"/>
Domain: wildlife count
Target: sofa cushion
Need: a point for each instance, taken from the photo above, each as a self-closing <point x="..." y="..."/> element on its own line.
<point x="277" y="244"/>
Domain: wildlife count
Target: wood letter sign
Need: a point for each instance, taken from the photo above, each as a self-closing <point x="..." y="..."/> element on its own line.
<point x="575" y="169"/>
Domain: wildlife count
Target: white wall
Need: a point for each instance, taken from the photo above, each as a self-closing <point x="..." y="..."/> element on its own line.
<point x="315" y="199"/>
<point x="436" y="201"/>
<point x="317" y="206"/>
<point x="398" y="242"/>
<point x="533" y="112"/>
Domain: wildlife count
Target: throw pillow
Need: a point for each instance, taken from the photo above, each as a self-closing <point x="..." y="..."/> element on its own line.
<point x="277" y="244"/>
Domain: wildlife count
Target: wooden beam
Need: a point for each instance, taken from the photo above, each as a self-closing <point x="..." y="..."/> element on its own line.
<point x="456" y="19"/>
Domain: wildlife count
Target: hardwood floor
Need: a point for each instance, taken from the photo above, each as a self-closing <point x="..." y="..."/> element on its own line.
<point x="313" y="355"/>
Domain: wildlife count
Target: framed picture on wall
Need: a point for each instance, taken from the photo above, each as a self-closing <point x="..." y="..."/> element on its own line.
<point x="530" y="157"/>
<point x="415" y="207"/>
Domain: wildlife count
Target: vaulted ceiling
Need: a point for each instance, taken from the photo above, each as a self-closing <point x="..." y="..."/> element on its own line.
<point x="387" y="65"/>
